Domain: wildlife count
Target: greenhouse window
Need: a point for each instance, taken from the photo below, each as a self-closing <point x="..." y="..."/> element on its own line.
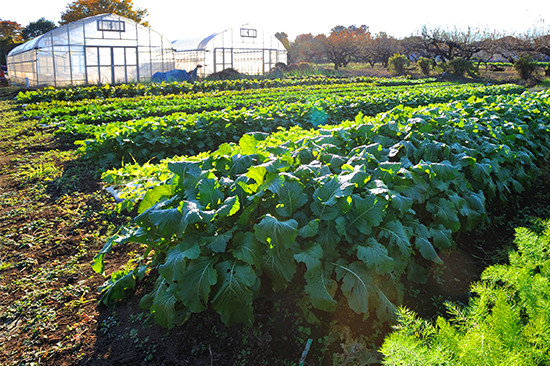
<point x="249" y="32"/>
<point x="111" y="25"/>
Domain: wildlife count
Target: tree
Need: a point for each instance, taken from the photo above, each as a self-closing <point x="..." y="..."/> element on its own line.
<point x="343" y="44"/>
<point x="447" y="44"/>
<point x="305" y="48"/>
<point x="35" y="29"/>
<point x="542" y="46"/>
<point x="80" y="9"/>
<point x="383" y="47"/>
<point x="10" y="36"/>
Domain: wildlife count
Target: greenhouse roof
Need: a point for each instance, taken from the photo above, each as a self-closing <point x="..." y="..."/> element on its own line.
<point x="192" y="44"/>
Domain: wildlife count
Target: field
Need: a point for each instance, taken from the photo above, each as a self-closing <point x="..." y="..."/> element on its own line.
<point x="261" y="222"/>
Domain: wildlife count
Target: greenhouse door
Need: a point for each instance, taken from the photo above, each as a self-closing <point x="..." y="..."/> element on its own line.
<point x="270" y="59"/>
<point x="111" y="65"/>
<point x="223" y="58"/>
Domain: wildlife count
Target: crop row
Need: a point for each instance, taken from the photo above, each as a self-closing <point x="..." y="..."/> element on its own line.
<point x="94" y="111"/>
<point x="352" y="208"/>
<point x="189" y="134"/>
<point x="132" y="90"/>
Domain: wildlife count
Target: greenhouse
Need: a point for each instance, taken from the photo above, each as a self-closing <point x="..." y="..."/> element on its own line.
<point x="246" y="49"/>
<point x="102" y="49"/>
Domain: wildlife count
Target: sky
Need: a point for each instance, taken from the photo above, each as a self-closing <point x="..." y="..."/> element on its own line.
<point x="180" y="19"/>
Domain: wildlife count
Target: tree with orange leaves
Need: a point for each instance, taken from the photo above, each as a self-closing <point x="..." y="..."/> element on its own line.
<point x="80" y="9"/>
<point x="10" y="36"/>
<point x="343" y="44"/>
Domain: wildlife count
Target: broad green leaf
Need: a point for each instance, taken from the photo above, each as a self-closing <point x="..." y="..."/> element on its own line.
<point x="164" y="307"/>
<point x="330" y="190"/>
<point x="397" y="235"/>
<point x="309" y="230"/>
<point x="366" y="213"/>
<point x="280" y="266"/>
<point x="442" y="237"/>
<point x="248" y="144"/>
<point x="375" y="256"/>
<point x="117" y="287"/>
<point x="291" y="197"/>
<point x="209" y="194"/>
<point x="195" y="283"/>
<point x="356" y="284"/>
<point x="176" y="258"/>
<point x="273" y="183"/>
<point x="401" y="203"/>
<point x="233" y="298"/>
<point x="166" y="221"/>
<point x="427" y="250"/>
<point x="247" y="248"/>
<point x="321" y="288"/>
<point x="185" y="169"/>
<point x="191" y="213"/>
<point x="257" y="173"/>
<point x="310" y="256"/>
<point x="218" y="242"/>
<point x="155" y="195"/>
<point x="229" y="207"/>
<point x="444" y="212"/>
<point x="279" y="234"/>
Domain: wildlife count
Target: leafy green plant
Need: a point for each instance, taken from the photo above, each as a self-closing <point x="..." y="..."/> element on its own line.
<point x="460" y="67"/>
<point x="353" y="206"/>
<point x="397" y="64"/>
<point x="506" y="323"/>
<point x="525" y="67"/>
<point x="425" y="65"/>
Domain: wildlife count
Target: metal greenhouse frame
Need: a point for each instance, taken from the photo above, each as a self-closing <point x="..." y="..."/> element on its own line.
<point x="102" y="49"/>
<point x="244" y="48"/>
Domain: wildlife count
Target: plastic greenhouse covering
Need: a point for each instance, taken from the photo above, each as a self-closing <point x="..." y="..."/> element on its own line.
<point x="103" y="49"/>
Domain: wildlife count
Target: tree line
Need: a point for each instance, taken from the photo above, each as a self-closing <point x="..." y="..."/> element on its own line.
<point x="357" y="44"/>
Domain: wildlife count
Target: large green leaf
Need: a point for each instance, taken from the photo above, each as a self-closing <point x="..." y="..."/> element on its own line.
<point x="176" y="258"/>
<point x="280" y="267"/>
<point x="397" y="235"/>
<point x="311" y="256"/>
<point x="247" y="248"/>
<point x="330" y="190"/>
<point x="444" y="212"/>
<point x="321" y="288"/>
<point x="209" y="194"/>
<point x="229" y="207"/>
<point x="192" y="213"/>
<point x="291" y="197"/>
<point x="233" y="298"/>
<point x="357" y="282"/>
<point x="279" y="234"/>
<point x="375" y="256"/>
<point x="366" y="213"/>
<point x="427" y="250"/>
<point x="309" y="230"/>
<point x="155" y="195"/>
<point x="195" y="283"/>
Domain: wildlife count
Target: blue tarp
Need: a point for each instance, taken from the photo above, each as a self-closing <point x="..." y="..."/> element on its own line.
<point x="175" y="75"/>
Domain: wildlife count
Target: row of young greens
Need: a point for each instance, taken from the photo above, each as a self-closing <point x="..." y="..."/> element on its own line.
<point x="505" y="323"/>
<point x="189" y="134"/>
<point x="131" y="90"/>
<point x="94" y="111"/>
<point x="342" y="213"/>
